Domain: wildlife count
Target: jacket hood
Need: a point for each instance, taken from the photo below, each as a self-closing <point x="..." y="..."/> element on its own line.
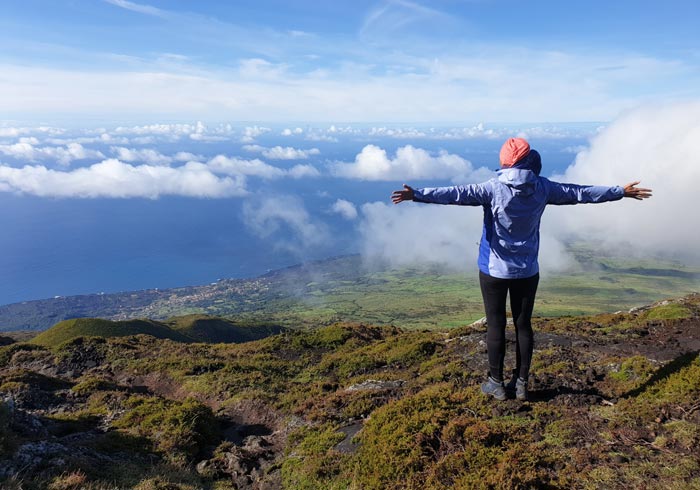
<point x="522" y="180"/>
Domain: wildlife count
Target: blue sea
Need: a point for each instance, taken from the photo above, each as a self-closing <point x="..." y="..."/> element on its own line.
<point x="66" y="246"/>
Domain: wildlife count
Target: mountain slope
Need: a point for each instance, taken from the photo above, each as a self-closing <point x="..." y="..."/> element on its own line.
<point x="614" y="404"/>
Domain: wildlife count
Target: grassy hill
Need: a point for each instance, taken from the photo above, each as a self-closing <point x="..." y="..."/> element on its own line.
<point x="97" y="327"/>
<point x="614" y="405"/>
<point x="204" y="328"/>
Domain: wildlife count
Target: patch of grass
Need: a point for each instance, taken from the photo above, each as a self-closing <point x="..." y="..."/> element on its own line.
<point x="35" y="380"/>
<point x="632" y="373"/>
<point x="312" y="462"/>
<point x="671" y="311"/>
<point x="180" y="430"/>
<point x="673" y="388"/>
<point x="92" y="383"/>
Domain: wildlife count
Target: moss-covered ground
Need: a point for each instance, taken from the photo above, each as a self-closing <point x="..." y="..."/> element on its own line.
<point x="614" y="405"/>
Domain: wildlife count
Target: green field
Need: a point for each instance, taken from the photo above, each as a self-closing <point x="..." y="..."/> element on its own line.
<point x="432" y="297"/>
<point x="347" y="289"/>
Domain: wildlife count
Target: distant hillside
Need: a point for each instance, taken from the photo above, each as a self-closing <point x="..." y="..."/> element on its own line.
<point x="212" y="330"/>
<point x="347" y="289"/>
<point x="96" y="327"/>
<point x="190" y="328"/>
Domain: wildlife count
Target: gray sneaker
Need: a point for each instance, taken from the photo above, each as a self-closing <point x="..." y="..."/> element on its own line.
<point x="519" y="386"/>
<point x="494" y="388"/>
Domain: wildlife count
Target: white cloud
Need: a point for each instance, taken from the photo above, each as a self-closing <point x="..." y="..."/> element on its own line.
<point x="497" y="82"/>
<point x="13" y="132"/>
<point x="283" y="152"/>
<point x="290" y="132"/>
<point x="115" y="179"/>
<point x="658" y="146"/>
<point x="301" y="171"/>
<point x="63" y="155"/>
<point x="252" y="132"/>
<point x="413" y="234"/>
<point x="401" y="133"/>
<point x="102" y="138"/>
<point x="372" y="163"/>
<point x="345" y="208"/>
<point x="169" y="130"/>
<point x="256" y="68"/>
<point x="198" y="131"/>
<point x="316" y="136"/>
<point x="236" y="166"/>
<point x="184" y="156"/>
<point x="258" y="168"/>
<point x="269" y="216"/>
<point x="145" y="155"/>
<point x="138" y="7"/>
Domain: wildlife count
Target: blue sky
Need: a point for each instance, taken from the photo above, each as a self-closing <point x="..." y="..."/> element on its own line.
<point x="80" y="62"/>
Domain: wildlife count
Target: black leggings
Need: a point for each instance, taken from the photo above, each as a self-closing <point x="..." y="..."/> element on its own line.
<point x="522" y="301"/>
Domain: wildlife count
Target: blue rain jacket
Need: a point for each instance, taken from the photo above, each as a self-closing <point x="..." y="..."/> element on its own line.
<point x="513" y="204"/>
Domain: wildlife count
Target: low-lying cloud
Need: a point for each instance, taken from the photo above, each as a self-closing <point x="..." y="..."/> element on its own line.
<point x="373" y="163"/>
<point x="26" y="149"/>
<point x="145" y="155"/>
<point x="344" y="208"/>
<point x="115" y="179"/>
<point x="659" y="147"/>
<point x="282" y="216"/>
<point x="283" y="152"/>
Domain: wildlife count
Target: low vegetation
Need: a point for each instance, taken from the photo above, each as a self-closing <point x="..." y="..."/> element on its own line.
<point x="614" y="405"/>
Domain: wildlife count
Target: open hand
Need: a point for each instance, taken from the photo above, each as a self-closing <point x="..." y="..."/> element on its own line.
<point x="405" y="195"/>
<point x="636" y="192"/>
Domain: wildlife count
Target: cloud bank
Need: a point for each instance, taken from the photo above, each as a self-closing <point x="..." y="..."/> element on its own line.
<point x="283" y="152"/>
<point x="658" y="146"/>
<point x="115" y="179"/>
<point x="373" y="163"/>
<point x="26" y="149"/>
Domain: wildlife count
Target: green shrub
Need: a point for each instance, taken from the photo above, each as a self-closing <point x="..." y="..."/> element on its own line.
<point x="312" y="463"/>
<point x="181" y="430"/>
<point x="6" y="352"/>
<point x="91" y="384"/>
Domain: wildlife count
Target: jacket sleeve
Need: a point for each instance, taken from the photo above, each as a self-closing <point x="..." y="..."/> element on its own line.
<point x="463" y="195"/>
<point x="575" y="194"/>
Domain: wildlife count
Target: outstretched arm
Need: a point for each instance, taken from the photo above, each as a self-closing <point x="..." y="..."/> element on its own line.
<point x="575" y="194"/>
<point x="465" y="195"/>
<point x="634" y="192"/>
